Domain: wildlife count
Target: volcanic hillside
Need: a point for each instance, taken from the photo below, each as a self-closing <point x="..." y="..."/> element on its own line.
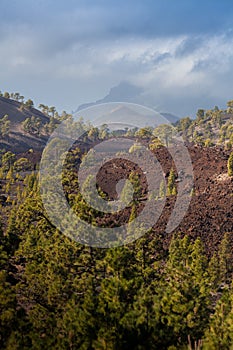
<point x="18" y="140"/>
<point x="210" y="212"/>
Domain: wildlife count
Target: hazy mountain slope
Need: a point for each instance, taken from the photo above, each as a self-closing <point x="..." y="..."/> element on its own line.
<point x="18" y="141"/>
<point x="17" y="115"/>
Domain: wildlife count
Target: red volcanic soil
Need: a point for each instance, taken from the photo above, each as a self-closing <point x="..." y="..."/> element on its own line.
<point x="210" y="213"/>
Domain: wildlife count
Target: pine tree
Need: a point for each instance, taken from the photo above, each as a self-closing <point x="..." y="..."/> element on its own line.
<point x="171" y="188"/>
<point x="230" y="165"/>
<point x="214" y="272"/>
<point x="185" y="298"/>
<point x="7" y="295"/>
<point x="117" y="292"/>
<point x="162" y="189"/>
<point x="135" y="181"/>
<point x="133" y="213"/>
<point x="126" y="195"/>
<point x="10" y="175"/>
<point x="4" y="126"/>
<point x="225" y="259"/>
<point x="217" y="336"/>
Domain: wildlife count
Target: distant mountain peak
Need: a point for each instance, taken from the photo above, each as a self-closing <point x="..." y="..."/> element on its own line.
<point x="127" y="92"/>
<point x="123" y="92"/>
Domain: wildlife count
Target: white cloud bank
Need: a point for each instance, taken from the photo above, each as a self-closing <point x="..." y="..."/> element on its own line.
<point x="182" y="73"/>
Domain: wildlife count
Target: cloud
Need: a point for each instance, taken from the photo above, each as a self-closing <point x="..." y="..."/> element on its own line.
<point x="180" y="53"/>
<point x="167" y="68"/>
<point x="89" y="19"/>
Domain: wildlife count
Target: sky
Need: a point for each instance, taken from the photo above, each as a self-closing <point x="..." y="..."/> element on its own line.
<point x="66" y="53"/>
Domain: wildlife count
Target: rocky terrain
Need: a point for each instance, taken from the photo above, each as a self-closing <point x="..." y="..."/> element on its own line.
<point x="210" y="212"/>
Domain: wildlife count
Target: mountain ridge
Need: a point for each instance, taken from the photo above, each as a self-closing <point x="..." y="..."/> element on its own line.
<point x="126" y="92"/>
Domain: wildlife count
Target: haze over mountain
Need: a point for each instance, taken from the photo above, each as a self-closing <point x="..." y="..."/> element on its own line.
<point x="127" y="92"/>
